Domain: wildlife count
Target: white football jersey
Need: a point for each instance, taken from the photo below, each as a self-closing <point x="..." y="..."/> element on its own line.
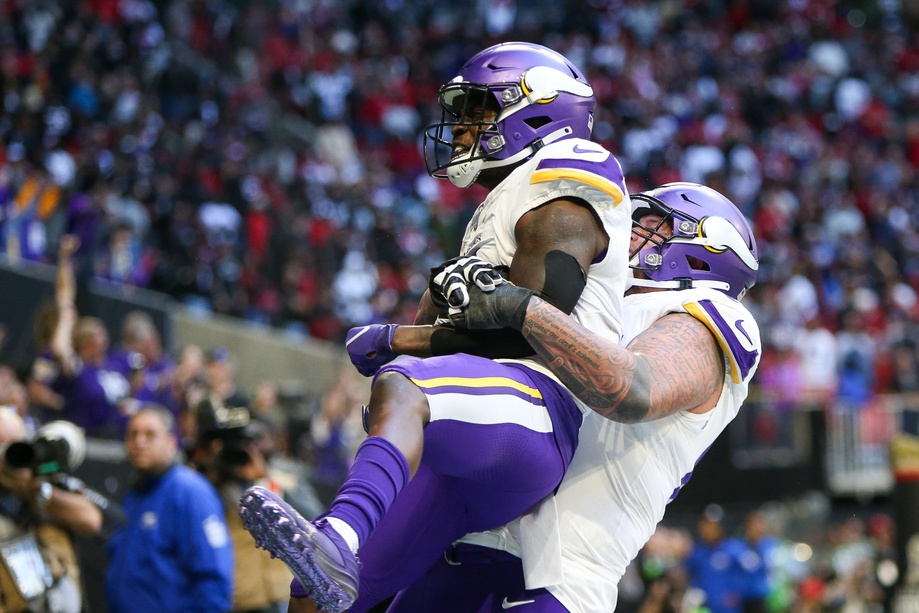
<point x="572" y="168"/>
<point x="578" y="543"/>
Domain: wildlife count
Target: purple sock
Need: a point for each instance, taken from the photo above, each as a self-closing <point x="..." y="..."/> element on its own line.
<point x="378" y="474"/>
<point x="297" y="590"/>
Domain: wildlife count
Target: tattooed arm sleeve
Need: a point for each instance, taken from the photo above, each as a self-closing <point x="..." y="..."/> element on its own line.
<point x="674" y="365"/>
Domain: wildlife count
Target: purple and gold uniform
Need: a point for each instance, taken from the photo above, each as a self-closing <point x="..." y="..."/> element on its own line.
<point x="501" y="435"/>
<point x="500" y="438"/>
<point x="572" y="549"/>
<point x="577" y="169"/>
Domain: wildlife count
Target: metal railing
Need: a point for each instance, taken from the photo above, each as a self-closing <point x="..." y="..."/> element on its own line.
<point x="853" y="447"/>
<point x="858" y="443"/>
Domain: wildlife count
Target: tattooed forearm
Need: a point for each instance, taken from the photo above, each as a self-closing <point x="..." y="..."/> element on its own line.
<point x="597" y="372"/>
<point x="647" y="381"/>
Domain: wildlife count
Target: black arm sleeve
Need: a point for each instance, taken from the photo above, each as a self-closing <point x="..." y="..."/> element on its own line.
<point x="565" y="280"/>
<point x="503" y="343"/>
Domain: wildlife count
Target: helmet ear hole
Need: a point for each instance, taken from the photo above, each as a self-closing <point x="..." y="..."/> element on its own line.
<point x="537" y="122"/>
<point x="697" y="264"/>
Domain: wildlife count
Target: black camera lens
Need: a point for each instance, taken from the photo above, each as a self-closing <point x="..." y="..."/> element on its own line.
<point x="44" y="456"/>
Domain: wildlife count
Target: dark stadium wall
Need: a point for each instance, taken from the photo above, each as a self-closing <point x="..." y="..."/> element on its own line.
<point x="718" y="479"/>
<point x="26" y="289"/>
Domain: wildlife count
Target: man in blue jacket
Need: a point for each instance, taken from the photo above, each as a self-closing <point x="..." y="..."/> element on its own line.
<point x="715" y="564"/>
<point x="175" y="553"/>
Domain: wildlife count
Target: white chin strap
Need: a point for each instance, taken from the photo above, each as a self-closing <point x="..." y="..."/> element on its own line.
<point x="464" y="174"/>
<point x="678" y="284"/>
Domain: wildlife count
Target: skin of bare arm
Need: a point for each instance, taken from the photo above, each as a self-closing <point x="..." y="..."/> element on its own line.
<point x="70" y="510"/>
<point x="560" y="225"/>
<point x="427" y="311"/>
<point x="75" y="511"/>
<point x="675" y="365"/>
<point x="65" y="286"/>
<point x="43" y="395"/>
<point x="64" y="297"/>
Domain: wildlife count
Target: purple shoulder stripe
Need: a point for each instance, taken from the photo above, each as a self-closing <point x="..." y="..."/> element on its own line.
<point x="608" y="169"/>
<point x="744" y="358"/>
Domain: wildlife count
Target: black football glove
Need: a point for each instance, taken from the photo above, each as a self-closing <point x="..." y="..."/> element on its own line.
<point x="448" y="281"/>
<point x="503" y="307"/>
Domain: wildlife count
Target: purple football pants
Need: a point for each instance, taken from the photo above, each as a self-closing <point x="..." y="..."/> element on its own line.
<point x="474" y="579"/>
<point x="500" y="439"/>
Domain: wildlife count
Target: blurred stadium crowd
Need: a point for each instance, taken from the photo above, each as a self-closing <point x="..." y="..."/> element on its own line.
<point x="262" y="159"/>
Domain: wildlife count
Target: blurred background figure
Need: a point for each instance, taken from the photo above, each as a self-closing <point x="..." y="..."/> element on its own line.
<point x="141" y="351"/>
<point x="665" y="582"/>
<point x="95" y="390"/>
<point x="759" y="562"/>
<point x="714" y="564"/>
<point x="335" y="432"/>
<point x="265" y="407"/>
<point x="13" y="393"/>
<point x="41" y="510"/>
<point x="43" y="370"/>
<point x="234" y="452"/>
<point x="189" y="387"/>
<point x="175" y="554"/>
<point x="220" y="376"/>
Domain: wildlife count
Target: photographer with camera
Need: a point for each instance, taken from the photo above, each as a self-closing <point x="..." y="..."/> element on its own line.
<point x="233" y="451"/>
<point x="41" y="507"/>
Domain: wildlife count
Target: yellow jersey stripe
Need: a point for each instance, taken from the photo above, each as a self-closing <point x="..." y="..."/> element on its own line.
<point x="581" y="176"/>
<point x="694" y="309"/>
<point x="477" y="383"/>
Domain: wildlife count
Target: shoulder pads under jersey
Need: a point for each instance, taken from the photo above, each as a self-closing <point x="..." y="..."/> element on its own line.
<point x="735" y="330"/>
<point x="580" y="169"/>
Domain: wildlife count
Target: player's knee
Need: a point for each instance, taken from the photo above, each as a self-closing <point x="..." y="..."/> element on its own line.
<point x="394" y="394"/>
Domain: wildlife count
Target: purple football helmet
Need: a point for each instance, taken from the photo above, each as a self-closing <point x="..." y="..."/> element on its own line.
<point x="539" y="97"/>
<point x="712" y="244"/>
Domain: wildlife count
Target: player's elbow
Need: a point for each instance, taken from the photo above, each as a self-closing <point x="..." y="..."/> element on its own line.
<point x="631" y="411"/>
<point x="634" y="405"/>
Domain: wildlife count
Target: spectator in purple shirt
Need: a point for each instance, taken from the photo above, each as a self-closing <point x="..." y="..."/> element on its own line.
<point x="96" y="395"/>
<point x="140" y="356"/>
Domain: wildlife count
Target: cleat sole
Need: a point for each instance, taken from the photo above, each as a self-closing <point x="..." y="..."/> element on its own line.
<point x="268" y="523"/>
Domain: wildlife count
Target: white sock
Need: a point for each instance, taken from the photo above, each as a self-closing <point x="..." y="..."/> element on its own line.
<point x="346" y="532"/>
